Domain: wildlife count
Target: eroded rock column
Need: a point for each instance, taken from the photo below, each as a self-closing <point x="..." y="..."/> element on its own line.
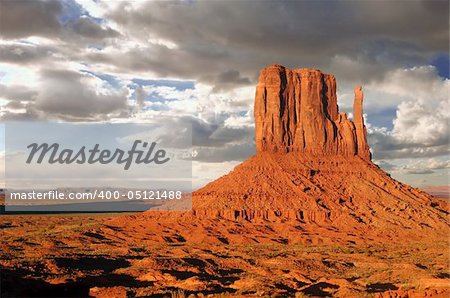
<point x="358" y="119"/>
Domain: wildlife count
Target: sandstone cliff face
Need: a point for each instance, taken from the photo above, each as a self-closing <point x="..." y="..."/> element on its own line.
<point x="296" y="110"/>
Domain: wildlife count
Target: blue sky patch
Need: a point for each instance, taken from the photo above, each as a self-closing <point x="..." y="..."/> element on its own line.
<point x="179" y="85"/>
<point x="157" y="107"/>
<point x="112" y="80"/>
<point x="71" y="11"/>
<point x="383" y="118"/>
<point x="442" y="64"/>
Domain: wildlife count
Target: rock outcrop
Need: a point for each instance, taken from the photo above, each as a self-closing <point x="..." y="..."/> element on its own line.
<point x="310" y="181"/>
<point x="358" y="120"/>
<point x="313" y="167"/>
<point x="297" y="110"/>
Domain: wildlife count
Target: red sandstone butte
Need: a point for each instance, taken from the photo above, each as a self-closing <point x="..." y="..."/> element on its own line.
<point x="311" y="180"/>
<point x="296" y="110"/>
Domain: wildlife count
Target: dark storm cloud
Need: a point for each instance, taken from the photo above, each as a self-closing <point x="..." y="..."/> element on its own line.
<point x="26" y="18"/>
<point x="225" y="42"/>
<point x="247" y="35"/>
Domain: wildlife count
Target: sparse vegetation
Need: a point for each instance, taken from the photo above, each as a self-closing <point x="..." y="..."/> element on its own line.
<point x="58" y="252"/>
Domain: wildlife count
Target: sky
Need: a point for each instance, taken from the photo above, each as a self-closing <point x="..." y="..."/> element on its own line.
<point x="196" y="63"/>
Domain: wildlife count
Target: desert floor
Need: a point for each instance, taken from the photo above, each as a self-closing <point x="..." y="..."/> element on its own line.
<point x="81" y="255"/>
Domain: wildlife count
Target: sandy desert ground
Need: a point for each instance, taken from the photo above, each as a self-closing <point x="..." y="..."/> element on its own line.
<point x="88" y="255"/>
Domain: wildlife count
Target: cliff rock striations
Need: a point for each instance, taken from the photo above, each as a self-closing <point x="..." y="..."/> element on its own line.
<point x="296" y="110"/>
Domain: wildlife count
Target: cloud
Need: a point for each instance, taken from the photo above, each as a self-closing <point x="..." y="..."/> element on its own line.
<point x="386" y="165"/>
<point x="24" y="53"/>
<point x="417" y="167"/>
<point x="28" y="114"/>
<point x="414" y="83"/>
<point x="245" y="36"/>
<point x="85" y="27"/>
<point x="140" y="97"/>
<point x="15" y="105"/>
<point x="212" y="141"/>
<point x="219" y="141"/>
<point x="215" y="134"/>
<point x="420" y="127"/>
<point x="62" y="21"/>
<point x="26" y="18"/>
<point x="230" y="79"/>
<point x="386" y="146"/>
<point x="74" y="95"/>
<point x="114" y="60"/>
<point x="230" y="152"/>
<point x="17" y="93"/>
<point x="417" y="123"/>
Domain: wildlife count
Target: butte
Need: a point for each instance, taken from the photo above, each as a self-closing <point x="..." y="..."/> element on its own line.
<point x="311" y="180"/>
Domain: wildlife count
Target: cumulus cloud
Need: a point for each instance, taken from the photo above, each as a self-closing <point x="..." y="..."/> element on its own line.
<point x="417" y="123"/>
<point x="414" y="83"/>
<point x="385" y="145"/>
<point x="420" y="127"/>
<point x="220" y="142"/>
<point x="75" y="95"/>
<point x="221" y="123"/>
